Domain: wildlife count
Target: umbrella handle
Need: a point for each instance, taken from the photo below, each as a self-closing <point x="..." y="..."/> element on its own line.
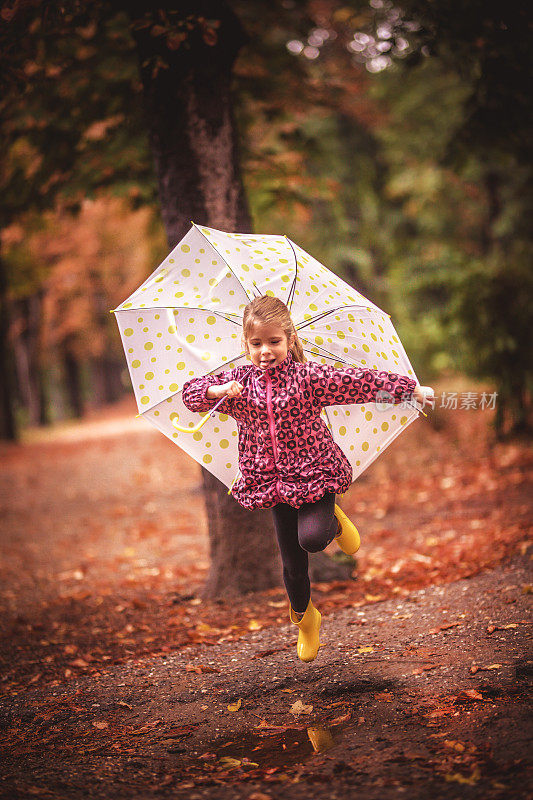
<point x="202" y="421"/>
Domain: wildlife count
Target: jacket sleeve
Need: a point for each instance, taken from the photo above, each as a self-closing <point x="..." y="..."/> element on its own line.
<point x="193" y="392"/>
<point x="335" y="387"/>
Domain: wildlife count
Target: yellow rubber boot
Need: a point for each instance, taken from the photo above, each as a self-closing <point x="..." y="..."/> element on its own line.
<point x="308" y="641"/>
<point x="348" y="538"/>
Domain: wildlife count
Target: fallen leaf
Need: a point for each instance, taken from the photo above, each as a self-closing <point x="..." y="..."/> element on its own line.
<point x="254" y="625"/>
<point x="227" y="761"/>
<point x="365" y="649"/>
<point x="444" y="627"/>
<point x="199" y="668"/>
<point x="424" y="668"/>
<point x="299" y="708"/>
<point x="468" y="694"/>
<point x="458" y="746"/>
<point x="235" y="706"/>
<point x="79" y="662"/>
<point x="458" y="778"/>
<point x="122" y="703"/>
<point x="101" y="725"/>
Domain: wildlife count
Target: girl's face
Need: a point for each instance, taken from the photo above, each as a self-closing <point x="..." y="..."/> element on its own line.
<point x="267" y="345"/>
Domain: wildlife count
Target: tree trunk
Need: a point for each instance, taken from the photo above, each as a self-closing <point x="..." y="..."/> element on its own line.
<point x="194" y="143"/>
<point x="71" y="371"/>
<point x="8" y="428"/>
<point x="28" y="358"/>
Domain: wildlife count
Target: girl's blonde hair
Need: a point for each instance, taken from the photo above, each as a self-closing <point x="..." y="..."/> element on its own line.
<point x="271" y="310"/>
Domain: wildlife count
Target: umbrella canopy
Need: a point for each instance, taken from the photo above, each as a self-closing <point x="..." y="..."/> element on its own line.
<point x="185" y="321"/>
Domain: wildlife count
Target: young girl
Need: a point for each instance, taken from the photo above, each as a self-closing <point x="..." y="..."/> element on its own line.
<point x="287" y="457"/>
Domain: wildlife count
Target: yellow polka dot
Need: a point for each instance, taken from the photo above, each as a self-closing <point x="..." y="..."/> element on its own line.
<point x="127" y="305"/>
<point x="148" y="346"/>
<point x="136" y="363"/>
<point x="128" y="332"/>
<point x="365" y="446"/>
<point x="207" y="458"/>
<point x="368" y="415"/>
<point x="185" y="273"/>
<point x="173" y="387"/>
<point x="197" y="436"/>
<point x="224" y="443"/>
<point x="180" y="365"/>
<point x="384" y="426"/>
<point x="341" y="335"/>
<point x="185" y="248"/>
<point x="342" y="430"/>
<point x="403" y="420"/>
<point x="223" y="417"/>
<point x="211" y="320"/>
<point x="319" y="340"/>
<point x="189" y="338"/>
<point x="145" y="399"/>
<point x="171" y="329"/>
<point x="206" y="356"/>
<point x="149" y="376"/>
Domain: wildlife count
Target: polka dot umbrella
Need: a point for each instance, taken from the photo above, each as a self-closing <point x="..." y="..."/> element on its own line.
<point x="185" y="321"/>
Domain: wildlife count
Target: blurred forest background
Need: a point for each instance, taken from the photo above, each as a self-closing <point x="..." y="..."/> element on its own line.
<point x="392" y="141"/>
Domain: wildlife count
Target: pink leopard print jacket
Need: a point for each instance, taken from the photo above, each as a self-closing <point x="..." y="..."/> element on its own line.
<point x="286" y="452"/>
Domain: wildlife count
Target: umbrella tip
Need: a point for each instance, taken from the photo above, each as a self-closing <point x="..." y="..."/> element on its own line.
<point x="111" y="310"/>
<point x="137" y="416"/>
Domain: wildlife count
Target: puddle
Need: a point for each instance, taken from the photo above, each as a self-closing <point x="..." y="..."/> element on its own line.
<point x="266" y="748"/>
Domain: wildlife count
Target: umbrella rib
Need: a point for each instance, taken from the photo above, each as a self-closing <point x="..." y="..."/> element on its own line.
<point x="293" y="287"/>
<point x="184" y="308"/>
<point x="224" y="260"/>
<point x="325" y="352"/>
<point x="333" y="311"/>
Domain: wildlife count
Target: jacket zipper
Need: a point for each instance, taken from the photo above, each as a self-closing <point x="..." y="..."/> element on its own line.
<point x="271" y="424"/>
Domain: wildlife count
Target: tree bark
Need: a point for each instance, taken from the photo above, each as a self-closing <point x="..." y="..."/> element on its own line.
<point x="193" y="137"/>
<point x="72" y="377"/>
<point x="28" y="358"/>
<point x="8" y="427"/>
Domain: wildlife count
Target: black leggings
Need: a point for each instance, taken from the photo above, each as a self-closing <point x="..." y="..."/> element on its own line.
<point x="300" y="531"/>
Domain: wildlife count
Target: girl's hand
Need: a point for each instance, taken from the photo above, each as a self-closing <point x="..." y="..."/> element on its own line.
<point x="424" y="394"/>
<point x="230" y="389"/>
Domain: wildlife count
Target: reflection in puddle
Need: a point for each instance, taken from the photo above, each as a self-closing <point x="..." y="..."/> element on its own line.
<point x="275" y="749"/>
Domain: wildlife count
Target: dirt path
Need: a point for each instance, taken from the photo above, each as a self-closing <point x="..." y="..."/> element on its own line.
<point x="432" y="692"/>
<point x="116" y="677"/>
